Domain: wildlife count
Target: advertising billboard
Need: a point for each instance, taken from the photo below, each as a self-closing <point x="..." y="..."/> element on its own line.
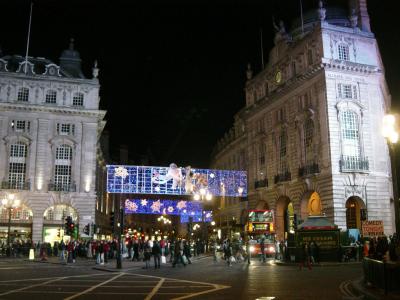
<point x="174" y="180"/>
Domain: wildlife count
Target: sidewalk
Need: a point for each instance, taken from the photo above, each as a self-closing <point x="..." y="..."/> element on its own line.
<point x="321" y="264"/>
<point x="372" y="293"/>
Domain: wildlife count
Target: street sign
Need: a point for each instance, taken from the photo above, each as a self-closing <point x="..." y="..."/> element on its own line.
<point x="372" y="228"/>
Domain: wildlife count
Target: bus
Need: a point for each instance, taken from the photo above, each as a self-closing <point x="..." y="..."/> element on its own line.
<point x="260" y="226"/>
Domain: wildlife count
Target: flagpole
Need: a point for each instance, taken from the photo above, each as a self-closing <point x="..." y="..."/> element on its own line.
<point x="27" y="43"/>
<point x="262" y="49"/>
<point x="301" y="15"/>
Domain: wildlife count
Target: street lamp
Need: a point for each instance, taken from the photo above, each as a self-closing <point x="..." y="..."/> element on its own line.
<point x="202" y="195"/>
<point x="392" y="136"/>
<point x="9" y="203"/>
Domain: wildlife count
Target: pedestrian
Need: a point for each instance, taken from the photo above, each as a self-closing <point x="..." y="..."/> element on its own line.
<point x="178" y="254"/>
<point x="172" y="251"/>
<point x="277" y="250"/>
<point x="62" y="251"/>
<point x="262" y="249"/>
<point x="186" y="251"/>
<point x="304" y="256"/>
<point x="106" y="251"/>
<point x="146" y="255"/>
<point x="312" y="252"/>
<point x="215" y="251"/>
<point x="156" y="251"/>
<point x="228" y="253"/>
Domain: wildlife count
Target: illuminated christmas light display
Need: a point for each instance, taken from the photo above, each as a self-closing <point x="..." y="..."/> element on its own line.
<point x="182" y="208"/>
<point x="174" y="180"/>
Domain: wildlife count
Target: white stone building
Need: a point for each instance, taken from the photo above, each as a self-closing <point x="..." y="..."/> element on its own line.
<point x="50" y="124"/>
<point x="311" y="128"/>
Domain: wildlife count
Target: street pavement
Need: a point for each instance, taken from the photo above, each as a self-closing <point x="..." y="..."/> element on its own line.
<point x="203" y="279"/>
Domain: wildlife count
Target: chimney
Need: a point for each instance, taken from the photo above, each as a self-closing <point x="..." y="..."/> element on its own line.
<point x="363" y="17"/>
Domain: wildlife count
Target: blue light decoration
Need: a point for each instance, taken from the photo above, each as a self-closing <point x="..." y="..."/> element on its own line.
<point x="184" y="209"/>
<point x="174" y="180"/>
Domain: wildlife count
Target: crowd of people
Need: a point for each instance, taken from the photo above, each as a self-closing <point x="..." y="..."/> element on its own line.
<point x="382" y="248"/>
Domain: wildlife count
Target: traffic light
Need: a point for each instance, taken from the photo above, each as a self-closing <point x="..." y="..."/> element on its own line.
<point x="69" y="226"/>
<point x="112" y="220"/>
<point x="86" y="229"/>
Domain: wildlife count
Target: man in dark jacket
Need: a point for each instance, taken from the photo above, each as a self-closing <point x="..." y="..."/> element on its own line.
<point x="156" y="251"/>
<point x="186" y="251"/>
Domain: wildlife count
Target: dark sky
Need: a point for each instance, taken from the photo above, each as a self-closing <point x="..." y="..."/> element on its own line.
<point x="172" y="73"/>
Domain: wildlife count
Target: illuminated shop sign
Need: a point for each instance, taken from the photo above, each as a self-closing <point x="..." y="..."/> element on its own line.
<point x="185" y="209"/>
<point x="174" y="180"/>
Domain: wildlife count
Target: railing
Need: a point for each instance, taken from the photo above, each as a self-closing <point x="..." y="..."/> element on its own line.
<point x="384" y="275"/>
<point x="16" y="185"/>
<point x="60" y="187"/>
<point x="309" y="169"/>
<point x="353" y="164"/>
<point x="261" y="183"/>
<point x="283" y="177"/>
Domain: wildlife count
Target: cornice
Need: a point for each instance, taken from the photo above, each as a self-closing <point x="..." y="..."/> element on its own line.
<point x="349" y="66"/>
<point x="53" y="109"/>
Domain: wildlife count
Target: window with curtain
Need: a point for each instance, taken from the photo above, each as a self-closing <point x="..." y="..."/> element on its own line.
<point x="17" y="165"/>
<point x="62" y="168"/>
<point x="350" y="135"/>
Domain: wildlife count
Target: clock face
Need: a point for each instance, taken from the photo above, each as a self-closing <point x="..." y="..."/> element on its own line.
<point x="52" y="71"/>
<point x="278" y="76"/>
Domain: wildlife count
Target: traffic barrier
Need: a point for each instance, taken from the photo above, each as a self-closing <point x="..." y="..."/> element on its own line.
<point x="382" y="274"/>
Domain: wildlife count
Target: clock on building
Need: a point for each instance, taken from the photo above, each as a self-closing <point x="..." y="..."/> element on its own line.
<point x="278" y="76"/>
<point x="52" y="71"/>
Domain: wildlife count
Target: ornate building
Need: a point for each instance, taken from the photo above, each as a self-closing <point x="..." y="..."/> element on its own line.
<point x="50" y="124"/>
<point x="309" y="135"/>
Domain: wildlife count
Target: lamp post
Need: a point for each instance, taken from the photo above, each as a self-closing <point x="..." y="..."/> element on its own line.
<point x="201" y="196"/>
<point x="9" y="203"/>
<point x="392" y="136"/>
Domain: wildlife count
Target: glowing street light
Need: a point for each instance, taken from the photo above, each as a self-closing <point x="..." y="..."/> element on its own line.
<point x="10" y="203"/>
<point x="389" y="131"/>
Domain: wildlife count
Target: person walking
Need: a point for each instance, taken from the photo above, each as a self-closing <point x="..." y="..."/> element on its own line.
<point x="178" y="255"/>
<point x="304" y="257"/>
<point x="186" y="251"/>
<point x="146" y="255"/>
<point x="262" y="248"/>
<point x="215" y="251"/>
<point x="172" y="251"/>
<point x="156" y="251"/>
<point x="62" y="251"/>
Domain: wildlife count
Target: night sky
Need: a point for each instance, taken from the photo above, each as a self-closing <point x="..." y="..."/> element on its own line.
<point x="172" y="73"/>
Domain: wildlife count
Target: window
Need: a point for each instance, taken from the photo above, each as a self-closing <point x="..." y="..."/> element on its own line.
<point x="282" y="151"/>
<point x="308" y="142"/>
<point x="255" y="95"/>
<point x="350" y="134"/>
<point x="266" y="89"/>
<point x="280" y="115"/>
<point x="343" y="52"/>
<point x="23" y="94"/>
<point x="310" y="59"/>
<point x="293" y="68"/>
<point x="347" y="91"/>
<point x="51" y="97"/>
<point x="78" y="99"/>
<point x="62" y="168"/>
<point x="20" y="126"/>
<point x="17" y="165"/>
<point x="261" y="154"/>
<point x="65" y="129"/>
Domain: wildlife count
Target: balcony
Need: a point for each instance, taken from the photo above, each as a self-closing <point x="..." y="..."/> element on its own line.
<point x="309" y="170"/>
<point x="15" y="185"/>
<point x="261" y="183"/>
<point x="282" y="177"/>
<point x="353" y="164"/>
<point x="62" y="187"/>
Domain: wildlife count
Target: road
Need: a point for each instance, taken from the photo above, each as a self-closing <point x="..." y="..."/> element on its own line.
<point x="203" y="279"/>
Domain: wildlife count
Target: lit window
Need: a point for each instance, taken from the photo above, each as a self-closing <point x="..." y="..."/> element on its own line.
<point x="343" y="52"/>
<point x="350" y="134"/>
<point x="23" y="94"/>
<point x="51" y="97"/>
<point x="17" y="165"/>
<point x="62" y="168"/>
<point x="78" y="99"/>
<point x="20" y="126"/>
<point x="65" y="129"/>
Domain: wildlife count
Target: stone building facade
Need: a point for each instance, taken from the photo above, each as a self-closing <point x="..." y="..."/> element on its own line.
<point x="310" y="133"/>
<point x="50" y="124"/>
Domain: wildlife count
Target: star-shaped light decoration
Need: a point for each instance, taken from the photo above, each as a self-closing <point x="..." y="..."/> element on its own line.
<point x="170" y="209"/>
<point x="121" y="172"/>
<point x="131" y="206"/>
<point x="157" y="188"/>
<point x="181" y="204"/>
<point x="143" y="202"/>
<point x="156" y="206"/>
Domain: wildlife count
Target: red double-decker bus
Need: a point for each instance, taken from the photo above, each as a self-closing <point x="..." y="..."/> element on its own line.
<point x="260" y="226"/>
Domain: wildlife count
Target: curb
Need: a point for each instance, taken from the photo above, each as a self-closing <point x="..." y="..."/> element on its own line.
<point x="279" y="263"/>
<point x="358" y="285"/>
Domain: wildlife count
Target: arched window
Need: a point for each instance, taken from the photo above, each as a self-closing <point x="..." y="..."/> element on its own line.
<point x="17" y="165"/>
<point x="308" y="142"/>
<point x="62" y="168"/>
<point x="23" y="94"/>
<point x="283" y="168"/>
<point x="59" y="213"/>
<point x="343" y="52"/>
<point x="21" y="213"/>
<point x="77" y="99"/>
<point x="51" y="96"/>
